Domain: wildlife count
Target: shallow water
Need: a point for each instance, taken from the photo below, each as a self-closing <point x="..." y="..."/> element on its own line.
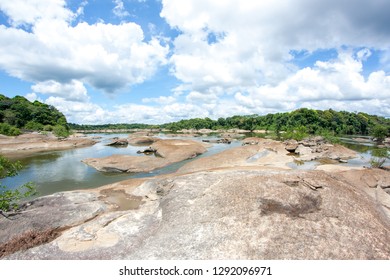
<point x="63" y="170"/>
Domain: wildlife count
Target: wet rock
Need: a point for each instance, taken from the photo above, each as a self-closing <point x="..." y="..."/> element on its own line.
<point x="147" y="151"/>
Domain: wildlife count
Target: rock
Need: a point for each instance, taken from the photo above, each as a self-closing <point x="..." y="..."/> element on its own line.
<point x="142" y="140"/>
<point x="31" y="143"/>
<point x="166" y="151"/>
<point x="231" y="135"/>
<point x="303" y="150"/>
<point x="233" y="214"/>
<point x="291" y="145"/>
<point x="54" y="212"/>
<point x="176" y="150"/>
<point x="118" y="142"/>
<point x="338" y="152"/>
<point x="147" y="151"/>
<point x="218" y="141"/>
<point x="265" y="154"/>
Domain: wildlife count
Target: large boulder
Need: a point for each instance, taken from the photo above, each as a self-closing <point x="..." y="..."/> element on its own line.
<point x="232" y="214"/>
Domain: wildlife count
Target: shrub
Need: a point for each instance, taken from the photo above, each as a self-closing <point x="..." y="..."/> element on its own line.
<point x="60" y="131"/>
<point x="380" y="132"/>
<point x="9" y="199"/>
<point x="378" y="157"/>
<point x="9" y="130"/>
<point x="34" y="126"/>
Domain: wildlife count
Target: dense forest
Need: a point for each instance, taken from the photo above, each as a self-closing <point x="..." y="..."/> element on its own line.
<point x="305" y="121"/>
<point x="18" y="113"/>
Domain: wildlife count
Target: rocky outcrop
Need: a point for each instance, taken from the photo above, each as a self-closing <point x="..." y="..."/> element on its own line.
<point x="259" y="153"/>
<point x="218" y="141"/>
<point x="118" y="142"/>
<point x="34" y="142"/>
<point x="317" y="148"/>
<point x="142" y="140"/>
<point x="166" y="152"/>
<point x="225" y="214"/>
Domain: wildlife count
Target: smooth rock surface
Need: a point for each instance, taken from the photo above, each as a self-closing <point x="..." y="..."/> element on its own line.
<point x="167" y="152"/>
<point x="230" y="214"/>
<point x="33" y="143"/>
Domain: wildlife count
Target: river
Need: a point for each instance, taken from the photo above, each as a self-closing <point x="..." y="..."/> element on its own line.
<point x="63" y="170"/>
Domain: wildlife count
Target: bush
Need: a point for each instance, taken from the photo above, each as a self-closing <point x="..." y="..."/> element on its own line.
<point x="297" y="133"/>
<point x="48" y="127"/>
<point x="9" y="199"/>
<point x="60" y="131"/>
<point x="378" y="157"/>
<point x="9" y="130"/>
<point x="380" y="132"/>
<point x="34" y="126"/>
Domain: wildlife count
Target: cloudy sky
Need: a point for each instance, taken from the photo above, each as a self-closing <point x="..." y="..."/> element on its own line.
<point x="157" y="61"/>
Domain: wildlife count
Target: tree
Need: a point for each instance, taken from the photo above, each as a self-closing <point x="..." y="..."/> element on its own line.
<point x="380" y="132"/>
<point x="9" y="199"/>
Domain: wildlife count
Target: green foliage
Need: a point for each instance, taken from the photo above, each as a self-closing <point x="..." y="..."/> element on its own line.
<point x="298" y="133"/>
<point x="34" y="126"/>
<point x="60" y="131"/>
<point x="378" y="157"/>
<point x="9" y="130"/>
<point x="380" y="132"/>
<point x="296" y="124"/>
<point x="9" y="199"/>
<point x="21" y="113"/>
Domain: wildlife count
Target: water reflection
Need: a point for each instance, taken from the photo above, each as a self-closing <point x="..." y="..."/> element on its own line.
<point x="63" y="170"/>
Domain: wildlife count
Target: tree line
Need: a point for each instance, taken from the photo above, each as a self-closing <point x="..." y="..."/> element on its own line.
<point x="18" y="113"/>
<point x="305" y="121"/>
<point x="308" y="120"/>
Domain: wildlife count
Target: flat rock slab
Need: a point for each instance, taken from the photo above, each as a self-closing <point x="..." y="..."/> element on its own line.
<point x="167" y="152"/>
<point x="233" y="214"/>
<point x="34" y="143"/>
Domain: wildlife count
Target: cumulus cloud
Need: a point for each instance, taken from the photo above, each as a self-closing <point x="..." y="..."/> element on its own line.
<point x="73" y="91"/>
<point x="231" y="57"/>
<point x="106" y="56"/>
<point x="244" y="49"/>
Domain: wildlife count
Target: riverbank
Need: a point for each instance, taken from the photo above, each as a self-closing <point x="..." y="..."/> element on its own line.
<point x="31" y="143"/>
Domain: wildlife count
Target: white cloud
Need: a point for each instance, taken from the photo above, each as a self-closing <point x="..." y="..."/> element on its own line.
<point x="106" y="56"/>
<point x="32" y="97"/>
<point x="73" y="91"/>
<point x="248" y="58"/>
<point x="119" y="9"/>
<point x="22" y="12"/>
<point x="160" y="100"/>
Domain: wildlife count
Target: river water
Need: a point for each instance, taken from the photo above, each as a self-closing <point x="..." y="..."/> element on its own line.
<point x="63" y="170"/>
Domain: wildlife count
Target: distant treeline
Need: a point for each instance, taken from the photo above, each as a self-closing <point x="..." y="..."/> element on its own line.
<point x="119" y="126"/>
<point x="304" y="120"/>
<point x="18" y="113"/>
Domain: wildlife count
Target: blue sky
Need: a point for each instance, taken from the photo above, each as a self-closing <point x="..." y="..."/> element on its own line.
<point x="156" y="61"/>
